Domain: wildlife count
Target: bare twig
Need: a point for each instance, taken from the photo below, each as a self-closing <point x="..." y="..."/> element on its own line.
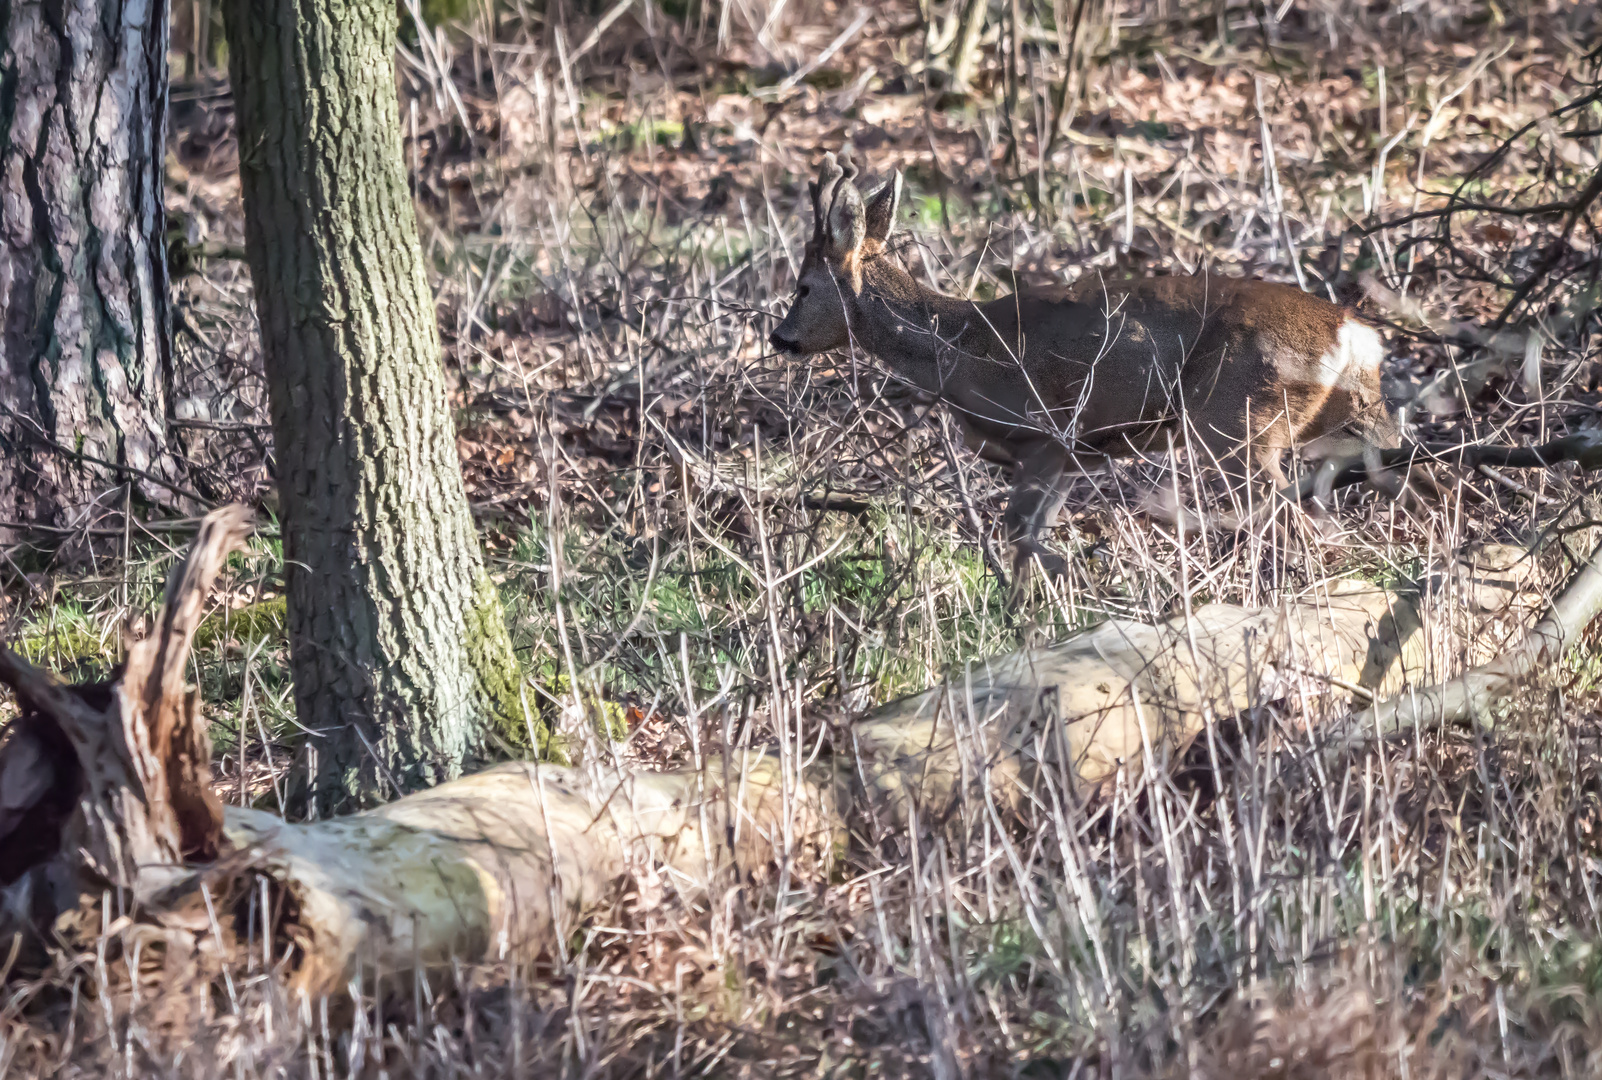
<point x="593" y="38"/>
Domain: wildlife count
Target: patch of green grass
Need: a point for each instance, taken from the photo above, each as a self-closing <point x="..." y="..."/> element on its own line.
<point x="925" y="211"/>
<point x="883" y="612"/>
<point x="625" y="137"/>
<point x="1010" y="948"/>
<point x="827" y="78"/>
<point x="439" y="12"/>
<point x="1152" y="130"/>
<point x="71" y="640"/>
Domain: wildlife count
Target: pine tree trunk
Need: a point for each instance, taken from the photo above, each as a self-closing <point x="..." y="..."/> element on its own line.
<point x="85" y="355"/>
<point x="399" y="647"/>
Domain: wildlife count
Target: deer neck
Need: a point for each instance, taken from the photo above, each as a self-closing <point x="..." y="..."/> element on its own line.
<point x="916" y="331"/>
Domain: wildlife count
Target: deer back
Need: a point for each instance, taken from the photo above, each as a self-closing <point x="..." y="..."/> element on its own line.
<point x="1122" y="362"/>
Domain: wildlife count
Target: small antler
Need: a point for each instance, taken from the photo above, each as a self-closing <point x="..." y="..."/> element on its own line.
<point x="829" y="176"/>
<point x="822" y="189"/>
<point x="835" y="181"/>
<point x="848" y="165"/>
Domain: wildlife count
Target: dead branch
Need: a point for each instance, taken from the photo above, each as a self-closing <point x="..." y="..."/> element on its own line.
<point x="1571" y="211"/>
<point x="145" y="803"/>
<point x="1584" y="448"/>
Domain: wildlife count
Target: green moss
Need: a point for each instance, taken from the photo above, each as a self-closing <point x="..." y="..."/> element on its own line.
<point x="438" y="12"/>
<point x="496" y="670"/>
<point x="609" y="718"/>
<point x="263" y="620"/>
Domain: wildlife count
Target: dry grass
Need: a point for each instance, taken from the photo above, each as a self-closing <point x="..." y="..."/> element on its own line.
<point x="609" y="243"/>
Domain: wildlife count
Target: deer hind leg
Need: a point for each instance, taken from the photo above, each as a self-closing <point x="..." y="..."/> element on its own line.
<point x="1270" y="478"/>
<point x="1233" y="463"/>
<point x="1252" y="478"/>
<point x="1038" y="492"/>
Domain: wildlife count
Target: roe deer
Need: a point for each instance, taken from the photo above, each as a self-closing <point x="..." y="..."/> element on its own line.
<point x="1052" y="377"/>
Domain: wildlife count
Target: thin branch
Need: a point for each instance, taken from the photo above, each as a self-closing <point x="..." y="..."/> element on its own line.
<point x="1583" y="448"/>
<point x="1554" y="250"/>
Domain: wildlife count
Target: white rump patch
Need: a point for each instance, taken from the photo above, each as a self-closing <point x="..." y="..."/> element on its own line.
<point x="1357" y="349"/>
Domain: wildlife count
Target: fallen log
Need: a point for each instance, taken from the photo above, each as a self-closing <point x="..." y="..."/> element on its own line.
<point x="107" y="787"/>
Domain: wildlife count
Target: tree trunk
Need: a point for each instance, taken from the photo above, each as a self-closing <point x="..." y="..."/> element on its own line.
<point x="398" y="643"/>
<point x="85" y="355"/>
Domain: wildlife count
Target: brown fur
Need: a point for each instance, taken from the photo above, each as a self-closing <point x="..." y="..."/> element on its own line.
<point x="1051" y="378"/>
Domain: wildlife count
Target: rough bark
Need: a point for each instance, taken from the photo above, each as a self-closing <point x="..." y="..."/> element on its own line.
<point x="398" y="643"/>
<point x="85" y="354"/>
<point x="504" y="863"/>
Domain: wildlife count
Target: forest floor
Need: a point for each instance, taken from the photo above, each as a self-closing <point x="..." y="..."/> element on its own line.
<point x="612" y="237"/>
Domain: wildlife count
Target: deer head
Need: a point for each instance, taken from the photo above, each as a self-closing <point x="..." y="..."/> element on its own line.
<point x="847" y="235"/>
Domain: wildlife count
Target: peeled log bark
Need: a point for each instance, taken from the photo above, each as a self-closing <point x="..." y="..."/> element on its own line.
<point x="505" y="862"/>
<point x="1127" y="696"/>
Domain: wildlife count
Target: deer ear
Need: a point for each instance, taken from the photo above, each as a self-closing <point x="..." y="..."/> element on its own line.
<point x="847" y="219"/>
<point x="881" y="212"/>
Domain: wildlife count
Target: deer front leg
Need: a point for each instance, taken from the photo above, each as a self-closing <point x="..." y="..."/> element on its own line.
<point x="1037" y="496"/>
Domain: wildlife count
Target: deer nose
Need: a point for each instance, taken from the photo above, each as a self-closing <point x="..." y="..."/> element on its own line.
<point x="781" y="343"/>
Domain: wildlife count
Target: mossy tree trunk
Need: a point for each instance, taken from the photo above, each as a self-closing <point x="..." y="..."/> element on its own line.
<point x="399" y="647"/>
<point x="85" y="354"/>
